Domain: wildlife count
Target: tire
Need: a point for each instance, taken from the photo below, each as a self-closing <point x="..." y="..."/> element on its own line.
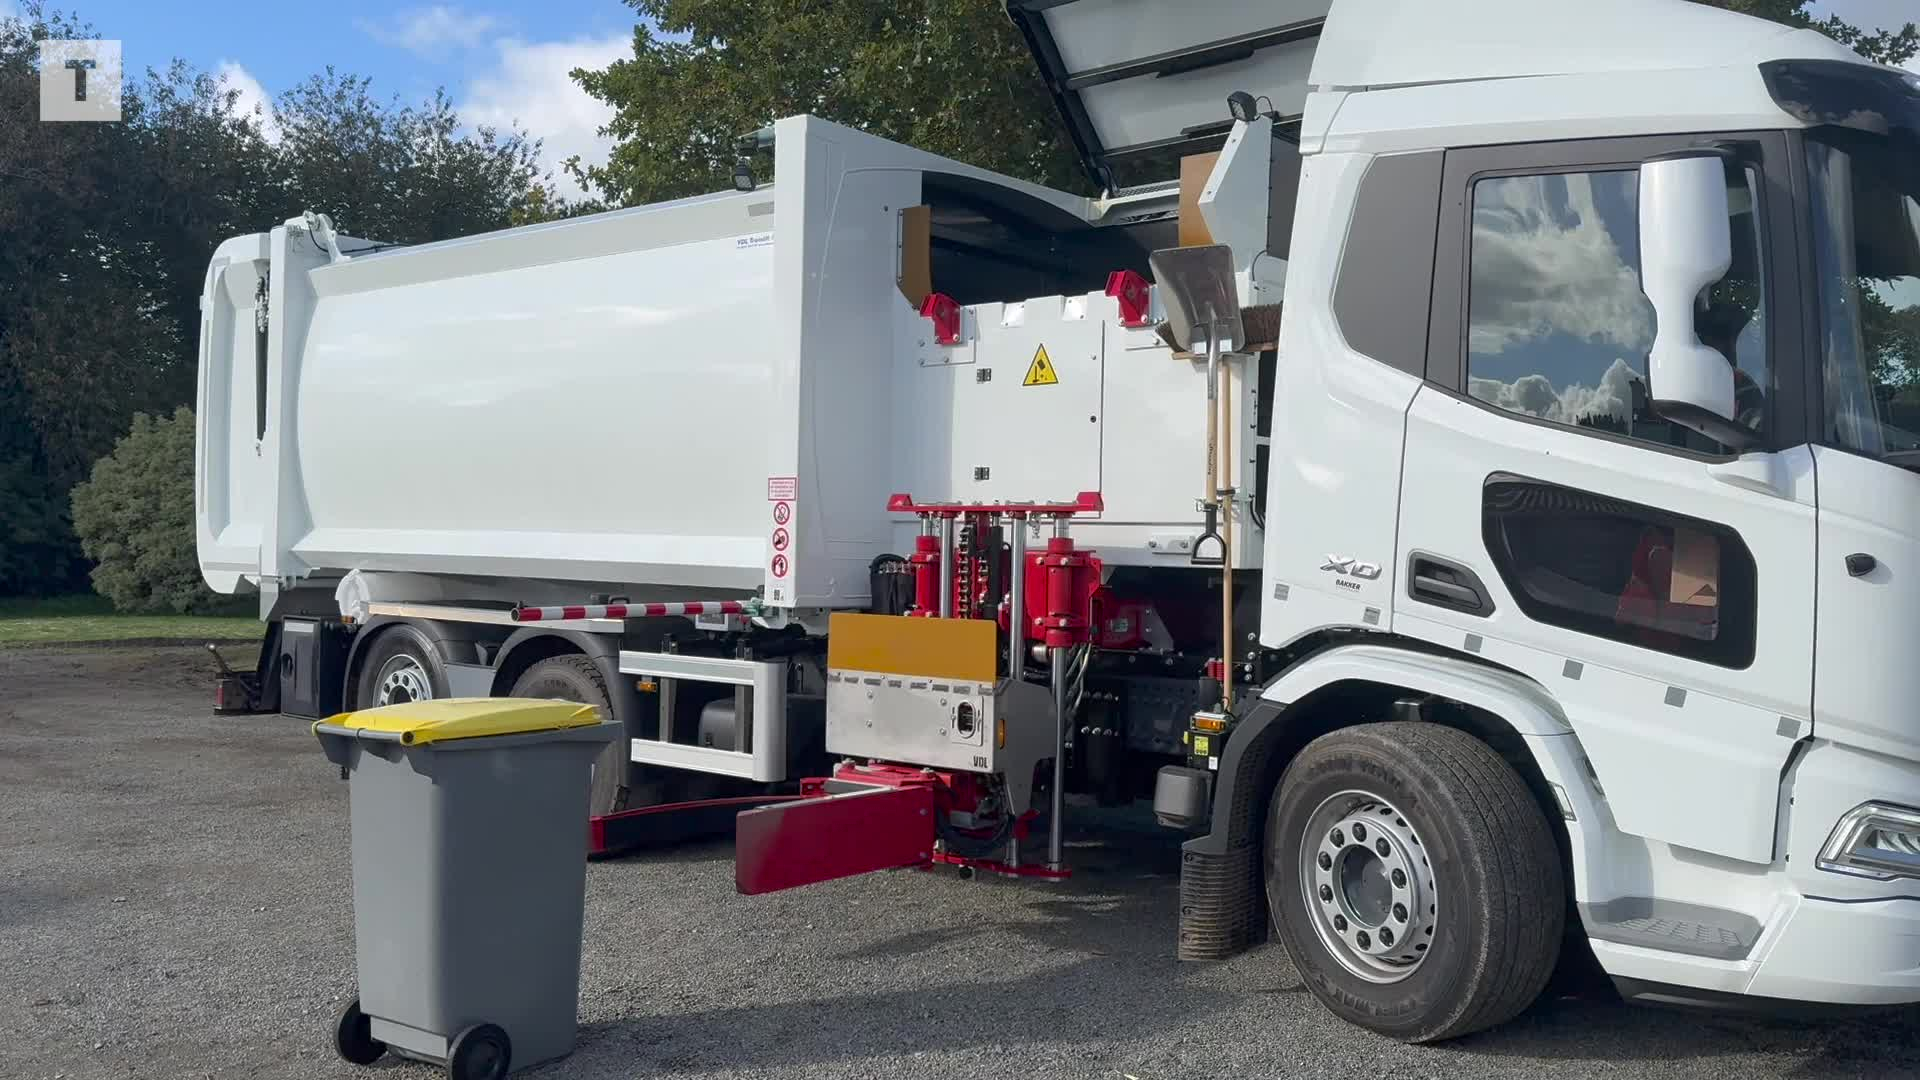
<point x="481" y="1052"/>
<point x="1448" y="827"/>
<point x="577" y="678"/>
<point x="400" y="665"/>
<point x="353" y="1036"/>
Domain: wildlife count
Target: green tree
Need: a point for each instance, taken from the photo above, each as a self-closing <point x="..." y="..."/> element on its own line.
<point x="1887" y="45"/>
<point x="135" y="519"/>
<point x="398" y="172"/>
<point x="106" y="229"/>
<point x="948" y="76"/>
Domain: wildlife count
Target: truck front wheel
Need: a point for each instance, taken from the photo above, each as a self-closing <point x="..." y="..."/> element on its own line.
<point x="573" y="677"/>
<point x="1414" y="880"/>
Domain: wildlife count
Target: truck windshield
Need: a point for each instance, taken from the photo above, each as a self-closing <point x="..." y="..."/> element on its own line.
<point x="1864" y="165"/>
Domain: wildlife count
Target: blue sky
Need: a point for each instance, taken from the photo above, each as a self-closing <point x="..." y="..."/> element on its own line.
<point x="503" y="61"/>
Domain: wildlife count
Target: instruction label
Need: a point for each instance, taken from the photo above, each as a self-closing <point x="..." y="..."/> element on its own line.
<point x="1040" y="372"/>
<point x="783" y="496"/>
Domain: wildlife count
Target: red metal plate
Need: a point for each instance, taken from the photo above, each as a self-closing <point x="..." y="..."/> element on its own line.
<point x="835" y="836"/>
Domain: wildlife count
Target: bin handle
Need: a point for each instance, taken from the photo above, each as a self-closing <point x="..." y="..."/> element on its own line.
<point x="322" y="728"/>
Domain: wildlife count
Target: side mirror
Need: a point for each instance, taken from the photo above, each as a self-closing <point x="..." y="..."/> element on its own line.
<point x="1686" y="244"/>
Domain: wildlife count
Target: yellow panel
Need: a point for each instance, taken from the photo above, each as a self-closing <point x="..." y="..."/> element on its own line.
<point x="899" y="645"/>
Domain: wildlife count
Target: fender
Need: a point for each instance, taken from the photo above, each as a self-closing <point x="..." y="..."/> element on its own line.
<point x="439" y="633"/>
<point x="604" y="651"/>
<point x="1221" y="896"/>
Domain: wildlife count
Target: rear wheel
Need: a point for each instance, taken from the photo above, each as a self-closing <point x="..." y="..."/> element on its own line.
<point x="481" y="1052"/>
<point x="353" y="1036"/>
<point x="1415" y="881"/>
<point x="399" y="666"/>
<point x="577" y="678"/>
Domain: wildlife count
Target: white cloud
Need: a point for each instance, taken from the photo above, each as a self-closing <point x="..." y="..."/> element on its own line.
<point x="528" y="88"/>
<point x="1534" y="395"/>
<point x="253" y="100"/>
<point x="1542" y="270"/>
<point x="431" y="31"/>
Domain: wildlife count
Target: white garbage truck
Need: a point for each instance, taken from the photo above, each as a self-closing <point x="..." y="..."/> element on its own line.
<point x="1460" y="469"/>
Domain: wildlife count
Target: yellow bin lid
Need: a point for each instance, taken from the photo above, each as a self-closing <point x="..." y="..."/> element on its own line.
<point x="418" y="722"/>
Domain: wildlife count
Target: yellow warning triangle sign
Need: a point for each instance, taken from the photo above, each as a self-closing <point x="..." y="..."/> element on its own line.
<point x="1040" y="372"/>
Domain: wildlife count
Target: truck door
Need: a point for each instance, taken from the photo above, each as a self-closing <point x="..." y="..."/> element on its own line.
<point x="233" y="487"/>
<point x="1658" y="584"/>
<point x="1865" y="196"/>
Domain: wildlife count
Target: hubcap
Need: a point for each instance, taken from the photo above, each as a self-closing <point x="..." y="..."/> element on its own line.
<point x="1369" y="886"/>
<point x="402" y="679"/>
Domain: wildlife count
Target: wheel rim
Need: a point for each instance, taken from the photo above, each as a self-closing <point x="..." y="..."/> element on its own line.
<point x="484" y="1059"/>
<point x="1368" y="886"/>
<point x="403" y="678"/>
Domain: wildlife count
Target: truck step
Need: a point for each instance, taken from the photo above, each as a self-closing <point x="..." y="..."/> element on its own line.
<point x="1671" y="926"/>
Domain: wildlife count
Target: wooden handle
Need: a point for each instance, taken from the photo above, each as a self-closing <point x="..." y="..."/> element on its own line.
<point x="1213" y="452"/>
<point x="1224" y="465"/>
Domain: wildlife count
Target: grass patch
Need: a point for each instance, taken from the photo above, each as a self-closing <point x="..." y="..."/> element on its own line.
<point x="85" y="619"/>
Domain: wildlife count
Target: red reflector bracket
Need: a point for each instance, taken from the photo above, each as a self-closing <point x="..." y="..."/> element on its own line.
<point x="1136" y="301"/>
<point x="945" y="315"/>
<point x="813" y="840"/>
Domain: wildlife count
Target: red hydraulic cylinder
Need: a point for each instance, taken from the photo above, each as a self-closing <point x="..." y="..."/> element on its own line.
<point x="926" y="575"/>
<point x="1066" y="620"/>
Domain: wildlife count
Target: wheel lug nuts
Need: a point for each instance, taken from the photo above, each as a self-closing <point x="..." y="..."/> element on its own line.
<point x="1363" y="939"/>
<point x="1399" y="879"/>
<point x="1326" y="861"/>
<point x="1386" y="936"/>
<point x="1339" y="838"/>
<point x="1400" y="912"/>
<point x="1326" y="894"/>
<point x="1340" y="923"/>
<point x="1381" y="847"/>
<point x="1359" y="832"/>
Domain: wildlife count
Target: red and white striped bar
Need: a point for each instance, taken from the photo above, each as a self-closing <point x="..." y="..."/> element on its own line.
<point x="630" y="611"/>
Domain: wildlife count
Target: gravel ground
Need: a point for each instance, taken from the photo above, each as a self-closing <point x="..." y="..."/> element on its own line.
<point x="174" y="904"/>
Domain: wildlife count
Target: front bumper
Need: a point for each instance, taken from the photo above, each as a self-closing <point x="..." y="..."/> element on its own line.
<point x="1862" y="952"/>
<point x="1824" y="937"/>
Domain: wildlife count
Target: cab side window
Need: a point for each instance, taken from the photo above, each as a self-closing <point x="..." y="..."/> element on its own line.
<point x="1557" y="327"/>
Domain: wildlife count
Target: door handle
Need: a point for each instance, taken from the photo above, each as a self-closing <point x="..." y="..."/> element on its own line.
<point x="1447" y="584"/>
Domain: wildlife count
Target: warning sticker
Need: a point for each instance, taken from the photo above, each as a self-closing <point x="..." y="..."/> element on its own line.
<point x="782" y="488"/>
<point x="1040" y="372"/>
<point x="782" y="513"/>
<point x="780" y="539"/>
<point x="778" y="566"/>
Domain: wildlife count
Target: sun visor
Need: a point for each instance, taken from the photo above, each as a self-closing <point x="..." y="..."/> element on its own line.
<point x="1133" y="78"/>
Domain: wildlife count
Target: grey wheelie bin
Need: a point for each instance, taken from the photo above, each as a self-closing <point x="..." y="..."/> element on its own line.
<point x="469" y="837"/>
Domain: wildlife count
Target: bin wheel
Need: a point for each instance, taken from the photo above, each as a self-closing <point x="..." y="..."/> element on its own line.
<point x="481" y="1052"/>
<point x="353" y="1036"/>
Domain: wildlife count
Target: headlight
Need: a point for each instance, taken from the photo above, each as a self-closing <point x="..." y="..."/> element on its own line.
<point x="1875" y="840"/>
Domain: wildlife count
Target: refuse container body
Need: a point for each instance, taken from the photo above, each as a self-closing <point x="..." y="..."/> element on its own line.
<point x="469" y="833"/>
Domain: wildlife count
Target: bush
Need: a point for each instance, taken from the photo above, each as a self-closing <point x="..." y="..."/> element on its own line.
<point x="135" y="519"/>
